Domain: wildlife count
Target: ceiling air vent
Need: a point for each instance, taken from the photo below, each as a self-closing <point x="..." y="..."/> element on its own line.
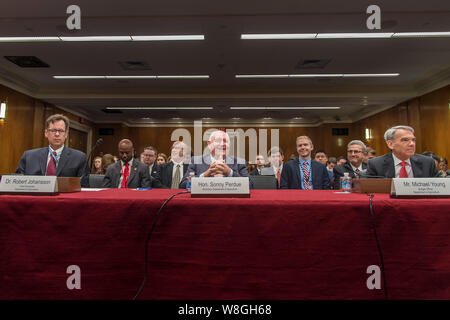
<point x="111" y="111"/>
<point x="134" y="65"/>
<point x="312" y="63"/>
<point x="27" y="61"/>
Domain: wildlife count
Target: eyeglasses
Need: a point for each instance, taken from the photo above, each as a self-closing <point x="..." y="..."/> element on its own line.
<point x="354" y="151"/>
<point x="60" y="131"/>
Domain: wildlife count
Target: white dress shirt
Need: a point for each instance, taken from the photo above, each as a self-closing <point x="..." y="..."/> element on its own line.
<point x="398" y="166"/>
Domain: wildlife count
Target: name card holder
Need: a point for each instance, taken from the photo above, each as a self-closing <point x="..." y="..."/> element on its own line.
<point x="38" y="185"/>
<point x="420" y="188"/>
<point x="223" y="187"/>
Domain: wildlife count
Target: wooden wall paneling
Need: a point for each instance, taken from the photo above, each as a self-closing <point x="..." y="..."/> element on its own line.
<point x="435" y="119"/>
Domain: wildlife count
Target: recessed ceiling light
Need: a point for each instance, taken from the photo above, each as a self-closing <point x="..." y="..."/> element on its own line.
<point x="316" y="75"/>
<point x="297" y="118"/>
<point x="97" y="38"/>
<point x="28" y="39"/>
<point x="168" y="37"/>
<point x="159" y="108"/>
<point x="134" y="77"/>
<point x="267" y="118"/>
<point x="275" y="36"/>
<point x="421" y="34"/>
<point x="354" y="35"/>
<point x="284" y="108"/>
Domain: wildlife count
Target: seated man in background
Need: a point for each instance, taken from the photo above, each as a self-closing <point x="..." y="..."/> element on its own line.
<point x="331" y="163"/>
<point x="370" y="153"/>
<point x="55" y="159"/>
<point x="341" y="160"/>
<point x="304" y="173"/>
<point x="128" y="172"/>
<point x="260" y="163"/>
<point x="402" y="162"/>
<point x="172" y="172"/>
<point x="149" y="158"/>
<point x="217" y="163"/>
<point x="355" y="165"/>
<point x="276" y="157"/>
<point x="321" y="156"/>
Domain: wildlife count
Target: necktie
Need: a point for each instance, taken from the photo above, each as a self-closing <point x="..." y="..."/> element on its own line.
<point x="403" y="173"/>
<point x="125" y="175"/>
<point x="278" y="176"/>
<point x="51" y="166"/>
<point x="306" y="182"/>
<point x="176" y="178"/>
<point x="357" y="172"/>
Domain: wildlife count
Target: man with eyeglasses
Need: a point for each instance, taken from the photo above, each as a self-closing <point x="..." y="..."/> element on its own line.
<point x="55" y="159"/>
<point x="149" y="158"/>
<point x="355" y="165"/>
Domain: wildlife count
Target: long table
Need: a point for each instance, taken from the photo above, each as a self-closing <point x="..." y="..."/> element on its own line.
<point x="277" y="244"/>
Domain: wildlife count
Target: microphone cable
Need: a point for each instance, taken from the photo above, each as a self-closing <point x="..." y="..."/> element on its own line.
<point x="147" y="241"/>
<point x="378" y="246"/>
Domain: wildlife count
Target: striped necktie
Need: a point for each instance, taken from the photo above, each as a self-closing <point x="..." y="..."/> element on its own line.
<point x="306" y="177"/>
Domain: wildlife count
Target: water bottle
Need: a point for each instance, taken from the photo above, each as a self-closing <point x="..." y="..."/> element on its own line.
<point x="346" y="183"/>
<point x="188" y="184"/>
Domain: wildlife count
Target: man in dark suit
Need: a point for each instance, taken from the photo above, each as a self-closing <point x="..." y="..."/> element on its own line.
<point x="304" y="173"/>
<point x="217" y="163"/>
<point x="56" y="159"/>
<point x="260" y="162"/>
<point x="172" y="172"/>
<point x="128" y="172"/>
<point x="355" y="165"/>
<point x="149" y="158"/>
<point x="402" y="162"/>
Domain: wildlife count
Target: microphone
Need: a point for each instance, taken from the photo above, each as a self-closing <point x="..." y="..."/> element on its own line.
<point x="97" y="143"/>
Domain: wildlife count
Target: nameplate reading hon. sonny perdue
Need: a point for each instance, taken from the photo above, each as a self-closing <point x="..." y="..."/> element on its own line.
<point x="15" y="184"/>
<point x="223" y="187"/>
<point x="420" y="187"/>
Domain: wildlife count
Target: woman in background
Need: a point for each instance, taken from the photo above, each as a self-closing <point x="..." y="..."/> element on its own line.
<point x="97" y="169"/>
<point x="162" y="158"/>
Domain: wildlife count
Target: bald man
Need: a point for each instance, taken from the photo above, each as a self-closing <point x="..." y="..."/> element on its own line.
<point x="128" y="172"/>
<point x="218" y="163"/>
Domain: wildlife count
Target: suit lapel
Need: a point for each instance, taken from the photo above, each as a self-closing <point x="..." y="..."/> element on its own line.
<point x="297" y="173"/>
<point x="388" y="166"/>
<point x="416" y="167"/>
<point x="169" y="173"/>
<point x="62" y="160"/>
<point x="43" y="161"/>
<point x="133" y="171"/>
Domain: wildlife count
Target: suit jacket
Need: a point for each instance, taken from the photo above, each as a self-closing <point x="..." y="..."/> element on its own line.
<point x="338" y="172"/>
<point x="290" y="176"/>
<point x="200" y="164"/>
<point x="254" y="172"/>
<point x="422" y="166"/>
<point x="139" y="176"/>
<point x="72" y="163"/>
<point x="166" y="171"/>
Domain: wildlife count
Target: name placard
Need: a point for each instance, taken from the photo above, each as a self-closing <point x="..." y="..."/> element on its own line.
<point x="28" y="184"/>
<point x="420" y="187"/>
<point x="223" y="187"/>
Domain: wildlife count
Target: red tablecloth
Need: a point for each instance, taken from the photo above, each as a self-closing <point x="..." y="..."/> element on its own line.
<point x="278" y="244"/>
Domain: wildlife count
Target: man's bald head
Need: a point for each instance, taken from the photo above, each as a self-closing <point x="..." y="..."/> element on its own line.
<point x="126" y="141"/>
<point x="126" y="150"/>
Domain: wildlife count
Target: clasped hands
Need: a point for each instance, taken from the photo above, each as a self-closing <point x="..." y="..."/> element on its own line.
<point x="218" y="168"/>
